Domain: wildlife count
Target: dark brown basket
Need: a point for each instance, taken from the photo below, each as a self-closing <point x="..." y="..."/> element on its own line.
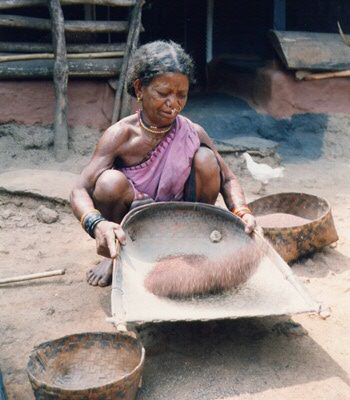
<point x="297" y="241"/>
<point x="87" y="366"/>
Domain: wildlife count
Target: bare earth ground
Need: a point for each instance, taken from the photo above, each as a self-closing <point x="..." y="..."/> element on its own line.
<point x="292" y="357"/>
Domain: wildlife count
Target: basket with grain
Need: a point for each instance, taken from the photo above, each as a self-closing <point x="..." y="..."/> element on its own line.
<point x="296" y="224"/>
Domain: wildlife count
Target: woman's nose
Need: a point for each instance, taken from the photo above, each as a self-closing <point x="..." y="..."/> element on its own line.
<point x="174" y="105"/>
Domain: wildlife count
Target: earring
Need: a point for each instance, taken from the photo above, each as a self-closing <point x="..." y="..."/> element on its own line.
<point x="138" y="99"/>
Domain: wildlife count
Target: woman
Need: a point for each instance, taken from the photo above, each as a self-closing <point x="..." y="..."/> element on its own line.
<point x="154" y="154"/>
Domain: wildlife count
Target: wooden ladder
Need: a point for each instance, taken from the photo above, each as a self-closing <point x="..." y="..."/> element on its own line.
<point x="63" y="56"/>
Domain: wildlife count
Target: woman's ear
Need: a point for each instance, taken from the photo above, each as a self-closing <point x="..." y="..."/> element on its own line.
<point x="137" y="88"/>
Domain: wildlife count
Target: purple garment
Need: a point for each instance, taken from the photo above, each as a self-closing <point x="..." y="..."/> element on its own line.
<point x="163" y="175"/>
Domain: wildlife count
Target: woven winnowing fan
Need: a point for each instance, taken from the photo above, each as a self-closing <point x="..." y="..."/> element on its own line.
<point x="191" y="261"/>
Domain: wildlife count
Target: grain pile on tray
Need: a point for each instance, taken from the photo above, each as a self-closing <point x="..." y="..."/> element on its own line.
<point x="181" y="276"/>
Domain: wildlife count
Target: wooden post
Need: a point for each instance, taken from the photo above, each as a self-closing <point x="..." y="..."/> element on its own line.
<point x="131" y="44"/>
<point x="60" y="80"/>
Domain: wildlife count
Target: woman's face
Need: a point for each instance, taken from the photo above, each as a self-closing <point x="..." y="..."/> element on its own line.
<point x="163" y="98"/>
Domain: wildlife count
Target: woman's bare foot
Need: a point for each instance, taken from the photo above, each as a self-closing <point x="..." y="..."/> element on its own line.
<point x="101" y="275"/>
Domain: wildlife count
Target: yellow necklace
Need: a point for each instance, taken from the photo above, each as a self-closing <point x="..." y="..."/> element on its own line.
<point x="153" y="129"/>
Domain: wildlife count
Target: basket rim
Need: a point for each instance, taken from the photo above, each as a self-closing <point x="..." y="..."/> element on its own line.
<point x="42" y="384"/>
<point x="324" y="215"/>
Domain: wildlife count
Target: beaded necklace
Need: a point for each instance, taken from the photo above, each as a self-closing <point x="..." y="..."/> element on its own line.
<point x="154" y="130"/>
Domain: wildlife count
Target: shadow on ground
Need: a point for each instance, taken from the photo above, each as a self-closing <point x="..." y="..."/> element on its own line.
<point x="231" y="357"/>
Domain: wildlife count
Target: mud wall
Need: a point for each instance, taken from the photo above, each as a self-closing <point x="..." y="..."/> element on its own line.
<point x="273" y="90"/>
<point x="90" y="103"/>
<point x="270" y="90"/>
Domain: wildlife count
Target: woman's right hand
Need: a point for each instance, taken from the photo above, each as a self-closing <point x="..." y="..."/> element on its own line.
<point x="106" y="233"/>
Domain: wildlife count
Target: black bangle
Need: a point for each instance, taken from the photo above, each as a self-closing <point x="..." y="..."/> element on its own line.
<point x="90" y="223"/>
<point x="93" y="226"/>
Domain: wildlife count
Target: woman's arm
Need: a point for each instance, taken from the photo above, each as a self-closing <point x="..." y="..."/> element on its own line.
<point x="81" y="198"/>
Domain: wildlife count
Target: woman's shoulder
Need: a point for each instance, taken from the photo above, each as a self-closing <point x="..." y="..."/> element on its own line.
<point x="122" y="127"/>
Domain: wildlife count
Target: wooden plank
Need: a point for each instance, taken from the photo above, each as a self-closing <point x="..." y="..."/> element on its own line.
<point x="16" y="21"/>
<point x="91" y="68"/>
<point x="31" y="47"/>
<point x="311" y="50"/>
<point x="6" y="4"/>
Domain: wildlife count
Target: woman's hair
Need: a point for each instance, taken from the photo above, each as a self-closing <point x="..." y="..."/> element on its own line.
<point x="155" y="59"/>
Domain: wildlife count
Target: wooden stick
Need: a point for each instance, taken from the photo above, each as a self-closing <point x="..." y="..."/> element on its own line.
<point x="33" y="276"/>
<point x="308" y="76"/>
<point x="37" y="56"/>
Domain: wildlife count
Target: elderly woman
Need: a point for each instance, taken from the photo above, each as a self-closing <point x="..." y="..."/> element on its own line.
<point x="155" y="154"/>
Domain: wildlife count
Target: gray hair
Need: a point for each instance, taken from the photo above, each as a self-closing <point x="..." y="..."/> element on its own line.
<point x="155" y="59"/>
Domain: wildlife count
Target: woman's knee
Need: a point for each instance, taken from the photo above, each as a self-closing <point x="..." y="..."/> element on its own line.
<point x="206" y="163"/>
<point x="208" y="176"/>
<point x="111" y="186"/>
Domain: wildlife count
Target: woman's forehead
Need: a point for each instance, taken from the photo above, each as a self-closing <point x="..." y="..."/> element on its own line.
<point x="171" y="79"/>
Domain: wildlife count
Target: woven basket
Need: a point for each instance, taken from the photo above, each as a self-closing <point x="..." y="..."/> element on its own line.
<point x="87" y="366"/>
<point x="297" y="241"/>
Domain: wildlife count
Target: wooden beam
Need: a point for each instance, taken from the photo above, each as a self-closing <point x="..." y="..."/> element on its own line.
<point x="39" y="56"/>
<point x="96" y="26"/>
<point x="6" y="4"/>
<point x="31" y="47"/>
<point x="86" y="68"/>
<point x="16" y="21"/>
<point x="60" y="75"/>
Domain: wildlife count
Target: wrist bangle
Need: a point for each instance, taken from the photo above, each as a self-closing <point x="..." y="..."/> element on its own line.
<point x="90" y="222"/>
<point x="241" y="211"/>
<point x="93" y="226"/>
<point x="93" y="211"/>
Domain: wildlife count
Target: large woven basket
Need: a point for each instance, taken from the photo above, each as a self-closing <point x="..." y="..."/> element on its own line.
<point x="102" y="366"/>
<point x="297" y="241"/>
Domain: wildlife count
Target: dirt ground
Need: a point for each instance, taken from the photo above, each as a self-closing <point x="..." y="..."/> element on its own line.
<point x="304" y="356"/>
